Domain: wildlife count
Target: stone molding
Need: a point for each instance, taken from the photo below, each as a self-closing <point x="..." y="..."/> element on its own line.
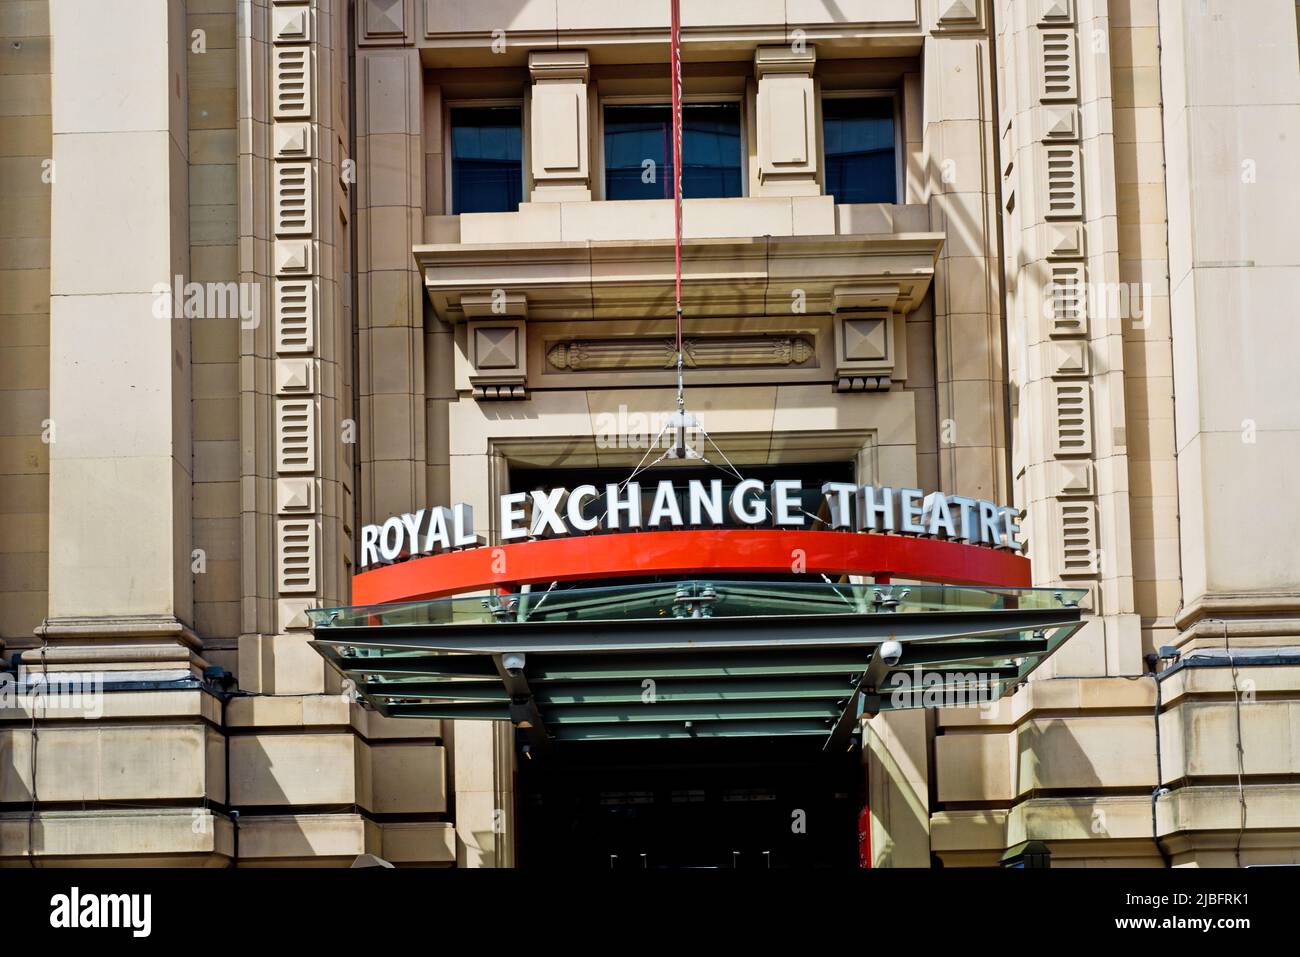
<point x="114" y="628"/>
<point x="658" y="352"/>
<point x="596" y="280"/>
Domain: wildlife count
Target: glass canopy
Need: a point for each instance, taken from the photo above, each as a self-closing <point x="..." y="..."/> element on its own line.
<point x="695" y="658"/>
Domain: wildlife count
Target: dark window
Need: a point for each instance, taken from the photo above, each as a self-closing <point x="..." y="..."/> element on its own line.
<point x="637" y="134"/>
<point x="487" y="174"/>
<point x="858" y="134"/>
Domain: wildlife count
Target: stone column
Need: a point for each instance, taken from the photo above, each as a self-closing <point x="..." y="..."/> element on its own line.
<point x="1232" y="122"/>
<point x="1148" y="354"/>
<point x="25" y="319"/>
<point x="120" y="465"/>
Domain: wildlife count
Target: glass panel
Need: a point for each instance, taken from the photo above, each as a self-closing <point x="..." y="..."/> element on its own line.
<point x="486" y="159"/>
<point x="716" y="599"/>
<point x="858" y="133"/>
<point x="638" y="151"/>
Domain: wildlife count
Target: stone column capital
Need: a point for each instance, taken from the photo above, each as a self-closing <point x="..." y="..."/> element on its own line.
<point x="784" y="59"/>
<point x="559" y="65"/>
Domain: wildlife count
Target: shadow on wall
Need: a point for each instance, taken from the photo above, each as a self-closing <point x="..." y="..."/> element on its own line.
<point x="900" y="812"/>
<point x="1049" y="758"/>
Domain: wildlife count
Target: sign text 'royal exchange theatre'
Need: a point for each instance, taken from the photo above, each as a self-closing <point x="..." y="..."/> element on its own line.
<point x="701" y="504"/>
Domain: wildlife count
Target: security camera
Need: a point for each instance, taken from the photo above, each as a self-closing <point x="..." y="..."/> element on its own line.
<point x="891" y="652"/>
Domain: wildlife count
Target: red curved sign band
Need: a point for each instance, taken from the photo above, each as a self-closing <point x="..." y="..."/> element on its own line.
<point x="690" y="552"/>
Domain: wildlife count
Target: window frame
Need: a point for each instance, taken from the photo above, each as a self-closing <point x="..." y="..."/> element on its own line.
<point x="868" y="93"/>
<point x="650" y="99"/>
<point x="449" y="187"/>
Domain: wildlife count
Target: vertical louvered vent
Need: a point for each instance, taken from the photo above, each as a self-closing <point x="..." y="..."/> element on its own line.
<point x="1067" y="307"/>
<point x="292" y="82"/>
<point x="296" y="544"/>
<point x="293" y="199"/>
<point x="1059" y="69"/>
<point x="1063" y="201"/>
<point x="295" y="429"/>
<point x="293" y="315"/>
<point x="1073" y="428"/>
<point x="1079" y="556"/>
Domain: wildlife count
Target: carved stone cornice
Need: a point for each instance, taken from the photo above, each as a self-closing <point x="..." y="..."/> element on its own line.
<point x="582" y="355"/>
<point x="724" y="278"/>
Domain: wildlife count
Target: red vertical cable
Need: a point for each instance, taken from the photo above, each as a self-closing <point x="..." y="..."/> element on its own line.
<point x="676" y="41"/>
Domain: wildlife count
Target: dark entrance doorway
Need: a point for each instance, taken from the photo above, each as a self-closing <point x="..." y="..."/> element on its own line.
<point x="735" y="803"/>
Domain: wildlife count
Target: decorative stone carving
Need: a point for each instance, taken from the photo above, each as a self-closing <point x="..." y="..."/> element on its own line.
<point x="293" y="375"/>
<point x="1074" y="477"/>
<point x="866" y="337"/>
<point x="500" y="392"/>
<point x="498" y="357"/>
<point x="383" y="21"/>
<point x="293" y="613"/>
<point x="864" y="343"/>
<point x="292" y="256"/>
<point x="964" y="12"/>
<point x="1064" y="240"/>
<point x="292" y="140"/>
<point x="1059" y="123"/>
<point x="294" y="494"/>
<point x="1056" y="11"/>
<point x="291" y="24"/>
<point x="496" y="347"/>
<point x="1070" y="358"/>
<point x="860" y="383"/>
<point x="581" y="355"/>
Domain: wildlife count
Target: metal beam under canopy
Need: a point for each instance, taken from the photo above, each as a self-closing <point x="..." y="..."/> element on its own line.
<point x="694" y="659"/>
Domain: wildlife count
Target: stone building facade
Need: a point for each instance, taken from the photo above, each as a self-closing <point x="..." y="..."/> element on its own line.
<point x="1079" y="296"/>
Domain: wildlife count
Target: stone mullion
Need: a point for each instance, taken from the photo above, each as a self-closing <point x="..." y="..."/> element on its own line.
<point x="120" y="498"/>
